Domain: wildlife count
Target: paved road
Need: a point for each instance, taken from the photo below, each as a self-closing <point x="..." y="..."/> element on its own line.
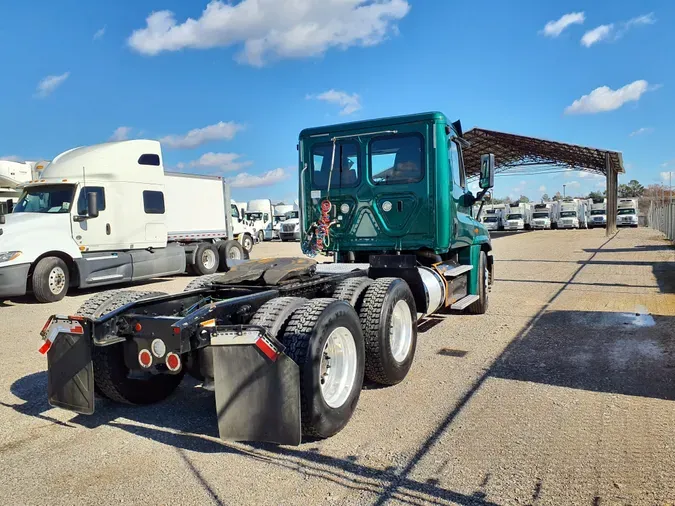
<point x="562" y="394"/>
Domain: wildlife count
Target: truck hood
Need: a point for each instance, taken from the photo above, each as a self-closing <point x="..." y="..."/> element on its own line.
<point x="24" y="228"/>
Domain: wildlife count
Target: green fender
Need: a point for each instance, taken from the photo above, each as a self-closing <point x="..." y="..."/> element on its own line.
<point x="471" y="255"/>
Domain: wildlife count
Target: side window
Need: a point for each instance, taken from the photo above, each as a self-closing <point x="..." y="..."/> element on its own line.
<point x="149" y="159"/>
<point x="455" y="167"/>
<point x="266" y="217"/>
<point x="153" y="202"/>
<point x="346" y="167"/>
<point x="82" y="199"/>
<point x="234" y="211"/>
<point x="397" y="159"/>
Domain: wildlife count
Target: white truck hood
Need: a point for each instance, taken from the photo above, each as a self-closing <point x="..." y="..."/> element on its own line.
<point x="37" y="233"/>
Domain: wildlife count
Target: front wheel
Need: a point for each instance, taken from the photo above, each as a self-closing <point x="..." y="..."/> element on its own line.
<point x="50" y="279"/>
<point x="324" y="338"/>
<point x="261" y="236"/>
<point x="481" y="305"/>
<point x="247" y="243"/>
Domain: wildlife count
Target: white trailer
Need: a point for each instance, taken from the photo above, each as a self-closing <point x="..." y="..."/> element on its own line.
<point x="13" y="175"/>
<point x="627" y="210"/>
<point x="518" y="217"/>
<point x="541" y="216"/>
<point x="260" y="213"/>
<point x="598" y="214"/>
<point x="108" y="214"/>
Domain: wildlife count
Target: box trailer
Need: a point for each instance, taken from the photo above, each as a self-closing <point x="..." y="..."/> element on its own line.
<point x="598" y="214"/>
<point x="627" y="213"/>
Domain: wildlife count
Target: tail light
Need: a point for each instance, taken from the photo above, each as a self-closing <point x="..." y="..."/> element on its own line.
<point x="173" y="362"/>
<point x="145" y="358"/>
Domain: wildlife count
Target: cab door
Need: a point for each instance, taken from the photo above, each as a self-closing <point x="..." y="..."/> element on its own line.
<point x="462" y="222"/>
<point x="92" y="233"/>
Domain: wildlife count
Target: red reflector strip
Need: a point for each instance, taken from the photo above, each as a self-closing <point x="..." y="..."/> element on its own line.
<point x="44" y="329"/>
<point x="77" y="329"/>
<point x="267" y="349"/>
<point x="45" y="347"/>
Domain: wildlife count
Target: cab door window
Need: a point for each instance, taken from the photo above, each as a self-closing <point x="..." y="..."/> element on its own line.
<point x="346" y="166"/>
<point x="456" y="167"/>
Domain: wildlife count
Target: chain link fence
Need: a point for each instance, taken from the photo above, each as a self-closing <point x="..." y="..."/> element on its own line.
<point x="662" y="217"/>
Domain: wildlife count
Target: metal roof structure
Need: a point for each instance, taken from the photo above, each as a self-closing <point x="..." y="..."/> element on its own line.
<point x="513" y="151"/>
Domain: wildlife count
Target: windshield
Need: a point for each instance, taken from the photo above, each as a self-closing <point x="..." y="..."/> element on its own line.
<point x="596" y="212"/>
<point x="46" y="199"/>
<point x="514" y="217"/>
<point x="254" y="216"/>
<point x="292" y="214"/>
<point x="540" y="215"/>
<point x="626" y="211"/>
<point x="568" y="214"/>
<point x="490" y="219"/>
<point x="279" y="219"/>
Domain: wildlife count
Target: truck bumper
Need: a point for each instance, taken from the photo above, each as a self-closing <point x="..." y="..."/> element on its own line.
<point x="289" y="237"/>
<point x="13" y="280"/>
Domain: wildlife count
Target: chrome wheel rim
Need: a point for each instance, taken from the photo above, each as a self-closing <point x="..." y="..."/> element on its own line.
<point x="208" y="259"/>
<point x="57" y="280"/>
<point x="338" y="367"/>
<point x="400" y="331"/>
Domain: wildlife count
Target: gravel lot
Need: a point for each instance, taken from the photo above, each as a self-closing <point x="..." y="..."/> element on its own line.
<point x="561" y="394"/>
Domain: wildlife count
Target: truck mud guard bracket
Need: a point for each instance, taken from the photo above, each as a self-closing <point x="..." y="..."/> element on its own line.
<point x="257" y="387"/>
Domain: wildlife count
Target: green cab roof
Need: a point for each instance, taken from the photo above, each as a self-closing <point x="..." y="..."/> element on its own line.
<point x="375" y="123"/>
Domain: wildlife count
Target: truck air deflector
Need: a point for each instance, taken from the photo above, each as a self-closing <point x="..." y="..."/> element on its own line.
<point x="70" y="373"/>
<point x="257" y="387"/>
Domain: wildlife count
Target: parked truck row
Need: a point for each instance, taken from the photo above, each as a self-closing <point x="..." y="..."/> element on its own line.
<point x="566" y="213"/>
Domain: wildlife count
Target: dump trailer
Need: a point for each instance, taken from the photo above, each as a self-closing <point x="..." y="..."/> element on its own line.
<point x="286" y="342"/>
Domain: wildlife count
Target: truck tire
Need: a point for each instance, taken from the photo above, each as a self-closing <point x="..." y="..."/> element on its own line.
<point x="247" y="243"/>
<point x="389" y="321"/>
<point x="201" y="282"/>
<point x="330" y="379"/>
<point x="261" y="236"/>
<point x="50" y="279"/>
<point x="110" y="371"/>
<point x="353" y="290"/>
<point x="481" y="305"/>
<point x="275" y="314"/>
<point x="229" y="250"/>
<point x="206" y="259"/>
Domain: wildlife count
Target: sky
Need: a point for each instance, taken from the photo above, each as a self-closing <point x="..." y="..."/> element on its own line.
<point x="228" y="86"/>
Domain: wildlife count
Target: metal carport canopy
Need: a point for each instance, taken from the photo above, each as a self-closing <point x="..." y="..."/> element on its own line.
<point x="513" y="151"/>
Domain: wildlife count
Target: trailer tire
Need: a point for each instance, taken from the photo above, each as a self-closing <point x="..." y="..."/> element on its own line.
<point x="324" y="414"/>
<point x="50" y="279"/>
<point x="389" y="320"/>
<point x="481" y="305"/>
<point x="206" y="259"/>
<point x="229" y="250"/>
<point x="275" y="314"/>
<point x="110" y="371"/>
<point x="201" y="282"/>
<point x="353" y="290"/>
<point x="247" y="243"/>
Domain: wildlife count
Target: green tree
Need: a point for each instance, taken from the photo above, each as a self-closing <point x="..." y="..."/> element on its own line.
<point x="557" y="196"/>
<point x="596" y="196"/>
<point x="523" y="199"/>
<point x="545" y="198"/>
<point x="631" y="190"/>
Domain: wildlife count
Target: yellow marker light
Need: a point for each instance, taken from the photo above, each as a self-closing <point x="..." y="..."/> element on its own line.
<point x="82" y="248"/>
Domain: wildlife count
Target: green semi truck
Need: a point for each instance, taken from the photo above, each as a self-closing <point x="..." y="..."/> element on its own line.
<point x="286" y="343"/>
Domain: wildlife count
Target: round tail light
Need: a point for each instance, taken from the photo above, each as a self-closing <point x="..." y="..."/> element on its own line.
<point x="172" y="362"/>
<point x="145" y="358"/>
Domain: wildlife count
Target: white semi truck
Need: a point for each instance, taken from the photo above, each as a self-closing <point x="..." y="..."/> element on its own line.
<point x="261" y="213"/>
<point x="108" y="214"/>
<point x="518" y="217"/>
<point x="598" y="214"/>
<point x="627" y="213"/>
<point x="290" y="228"/>
<point x="541" y="216"/>
<point x="280" y="211"/>
<point x="13" y="175"/>
<point x="570" y="211"/>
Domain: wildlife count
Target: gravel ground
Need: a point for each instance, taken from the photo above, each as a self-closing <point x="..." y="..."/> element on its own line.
<point x="561" y="394"/>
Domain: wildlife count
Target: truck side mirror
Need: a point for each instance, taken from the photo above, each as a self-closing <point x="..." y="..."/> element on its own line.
<point x="92" y="205"/>
<point x="10" y="206"/>
<point x="487" y="171"/>
<point x="2" y="213"/>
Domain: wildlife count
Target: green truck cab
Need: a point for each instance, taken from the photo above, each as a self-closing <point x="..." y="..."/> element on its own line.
<point x="396" y="186"/>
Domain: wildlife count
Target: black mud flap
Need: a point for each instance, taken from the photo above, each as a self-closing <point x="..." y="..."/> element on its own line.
<point x="257" y="399"/>
<point x="70" y="374"/>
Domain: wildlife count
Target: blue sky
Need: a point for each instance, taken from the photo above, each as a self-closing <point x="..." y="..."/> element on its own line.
<point x="229" y="91"/>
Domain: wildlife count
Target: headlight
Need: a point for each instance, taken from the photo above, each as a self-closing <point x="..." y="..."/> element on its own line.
<point x="297" y="228"/>
<point x="8" y="256"/>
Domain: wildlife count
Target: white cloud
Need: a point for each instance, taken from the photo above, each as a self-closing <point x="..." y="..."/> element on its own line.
<point x="555" y="28"/>
<point x="12" y="158"/>
<point x="349" y="103"/>
<point x="198" y="136"/>
<point x="49" y="84"/>
<point x="99" y="33"/>
<point x="666" y="176"/>
<point x="273" y="28"/>
<point x="612" y="32"/>
<point x="223" y="162"/>
<point x="641" y="131"/>
<point x="121" y="133"/>
<point x="542" y="189"/>
<point x="669" y="163"/>
<point x="269" y="178"/>
<point x="573" y="184"/>
<point x="601" y="184"/>
<point x="605" y="99"/>
<point x="602" y="32"/>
